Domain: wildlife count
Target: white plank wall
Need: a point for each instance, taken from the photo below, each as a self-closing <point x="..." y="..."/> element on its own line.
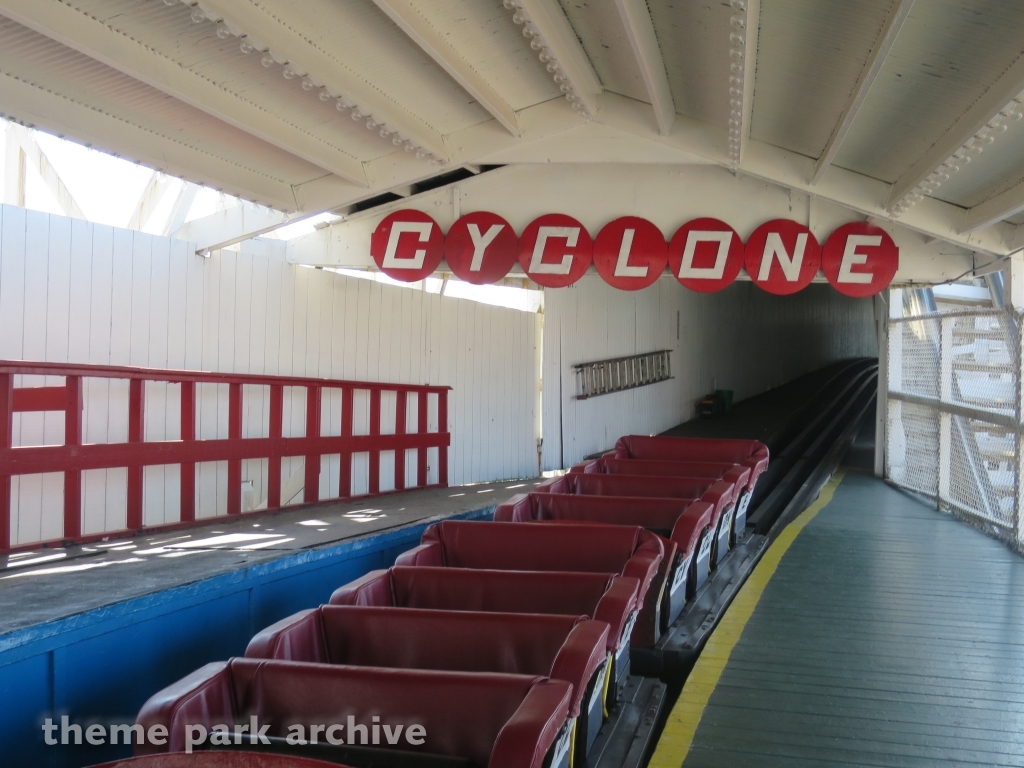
<point x="71" y="291"/>
<point x="741" y="339"/>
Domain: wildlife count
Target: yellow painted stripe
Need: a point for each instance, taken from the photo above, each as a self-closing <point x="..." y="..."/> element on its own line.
<point x="682" y="723"/>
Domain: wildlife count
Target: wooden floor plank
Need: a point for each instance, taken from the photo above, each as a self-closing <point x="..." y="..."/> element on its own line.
<point x="890" y="635"/>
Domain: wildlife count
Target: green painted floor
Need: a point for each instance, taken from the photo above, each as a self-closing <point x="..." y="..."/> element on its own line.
<point x="890" y="635"/>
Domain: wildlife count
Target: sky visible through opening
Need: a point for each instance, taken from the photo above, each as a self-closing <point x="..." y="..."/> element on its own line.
<point x="108" y="189"/>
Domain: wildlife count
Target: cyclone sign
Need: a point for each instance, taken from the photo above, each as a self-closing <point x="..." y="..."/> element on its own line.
<point x="630" y="253"/>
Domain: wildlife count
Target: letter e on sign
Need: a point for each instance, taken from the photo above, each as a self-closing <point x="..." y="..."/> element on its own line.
<point x="705" y="255"/>
<point x="555" y="250"/>
<point x="860" y="259"/>
<point x="630" y="253"/>
<point x="407" y="245"/>
<point x="782" y="257"/>
<point x="481" y="248"/>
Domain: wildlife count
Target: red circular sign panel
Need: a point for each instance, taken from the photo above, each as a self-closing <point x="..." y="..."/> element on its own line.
<point x="859" y="259"/>
<point x="407" y="245"/>
<point x="555" y="250"/>
<point x="705" y="255"/>
<point x="630" y="253"/>
<point x="782" y="257"/>
<point x="481" y="248"/>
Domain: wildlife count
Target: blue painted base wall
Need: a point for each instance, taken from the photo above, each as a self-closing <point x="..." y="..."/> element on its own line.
<point x="102" y="665"/>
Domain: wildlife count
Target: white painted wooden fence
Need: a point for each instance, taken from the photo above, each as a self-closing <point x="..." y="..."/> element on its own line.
<point x="71" y="291"/>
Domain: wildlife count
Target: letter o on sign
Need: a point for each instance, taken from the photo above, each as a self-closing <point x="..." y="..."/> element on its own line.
<point x="630" y="253"/>
<point x="555" y="250"/>
<point x="481" y="248"/>
<point x="407" y="245"/>
<point x="859" y="259"/>
<point x="705" y="255"/>
<point x="782" y="257"/>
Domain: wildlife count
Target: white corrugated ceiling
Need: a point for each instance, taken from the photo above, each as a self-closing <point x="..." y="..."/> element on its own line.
<point x="460" y="81"/>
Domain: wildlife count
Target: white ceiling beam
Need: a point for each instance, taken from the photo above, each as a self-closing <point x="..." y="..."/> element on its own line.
<point x="182" y="206"/>
<point x="550" y="21"/>
<point x="14" y="169"/>
<point x="984" y="109"/>
<point x="407" y="15"/>
<point x="84" y="33"/>
<point x="231" y="225"/>
<point x="37" y="105"/>
<point x="636" y="20"/>
<point x="151" y="196"/>
<point x="993" y="210"/>
<point x="273" y="27"/>
<point x="883" y="45"/>
<point x="35" y="157"/>
<point x="749" y="70"/>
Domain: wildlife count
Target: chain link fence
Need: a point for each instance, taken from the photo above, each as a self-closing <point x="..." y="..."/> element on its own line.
<point x="954" y="427"/>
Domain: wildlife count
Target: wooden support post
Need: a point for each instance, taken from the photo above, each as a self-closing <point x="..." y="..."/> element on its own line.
<point x="73" y="478"/>
<point x="188" y="435"/>
<point x="421" y="454"/>
<point x="374" y="430"/>
<point x="345" y="469"/>
<point x="234" y="433"/>
<point x="442" y="427"/>
<point x="6" y="440"/>
<point x="401" y="408"/>
<point x="274" y="460"/>
<point x="311" y="488"/>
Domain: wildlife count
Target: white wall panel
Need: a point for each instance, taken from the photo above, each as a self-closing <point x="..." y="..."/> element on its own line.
<point x="71" y="291"/>
<point x="741" y="339"/>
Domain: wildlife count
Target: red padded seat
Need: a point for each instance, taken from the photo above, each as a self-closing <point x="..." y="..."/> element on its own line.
<point x="687" y="524"/>
<point x="602" y="596"/>
<point x="494" y="720"/>
<point x="218" y="760"/>
<point x="728" y="524"/>
<point x="749" y="453"/>
<point x="728" y="471"/>
<point x="570" y="648"/>
<point x="505" y="546"/>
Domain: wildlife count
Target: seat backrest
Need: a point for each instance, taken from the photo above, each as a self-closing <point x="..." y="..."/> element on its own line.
<point x="464" y="722"/>
<point x="461" y="589"/>
<point x="233" y="759"/>
<point x="751" y="453"/>
<point x="647" y="467"/>
<point x="509" y="546"/>
<point x="627" y="485"/>
<point x="605" y="597"/>
<point x="685" y="448"/>
<point x="655" y="514"/>
<point x="415" y="638"/>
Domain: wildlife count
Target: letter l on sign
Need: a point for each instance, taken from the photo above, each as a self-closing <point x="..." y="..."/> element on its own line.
<point x="622" y="268"/>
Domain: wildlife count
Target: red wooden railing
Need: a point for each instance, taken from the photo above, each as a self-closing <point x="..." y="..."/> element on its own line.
<point x="74" y="456"/>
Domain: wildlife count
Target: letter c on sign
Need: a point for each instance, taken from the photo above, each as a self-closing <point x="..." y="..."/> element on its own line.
<point x="782" y="257"/>
<point x="705" y="255"/>
<point x="630" y="253"/>
<point x="860" y="259"/>
<point x="555" y="250"/>
<point x="481" y="248"/>
<point x="407" y="245"/>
